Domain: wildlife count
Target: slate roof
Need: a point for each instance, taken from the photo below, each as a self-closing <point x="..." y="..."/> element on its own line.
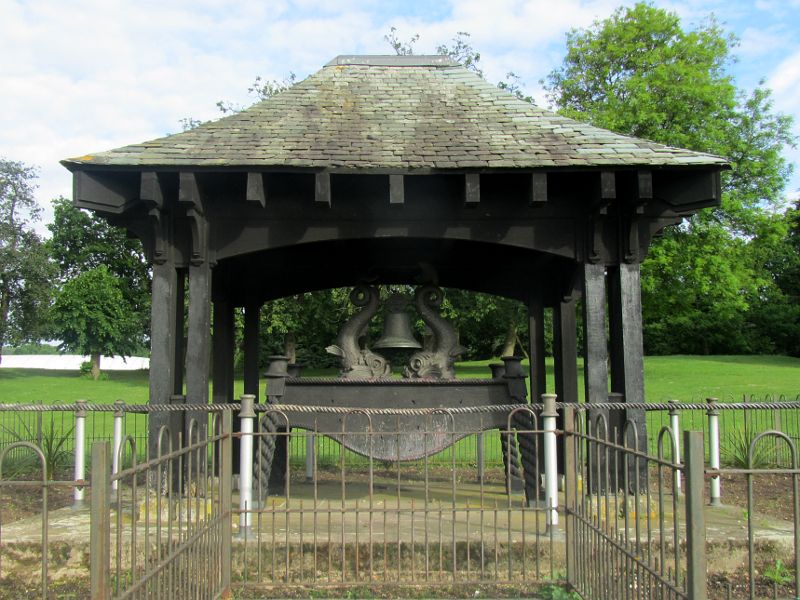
<point x="416" y="112"/>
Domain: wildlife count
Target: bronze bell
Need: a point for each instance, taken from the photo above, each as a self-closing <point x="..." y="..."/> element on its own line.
<point x="397" y="326"/>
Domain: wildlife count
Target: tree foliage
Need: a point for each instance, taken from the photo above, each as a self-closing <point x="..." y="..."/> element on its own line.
<point x="82" y="241"/>
<point x="102" y="304"/>
<point x="25" y="272"/>
<point x="91" y="316"/>
<point x="639" y="72"/>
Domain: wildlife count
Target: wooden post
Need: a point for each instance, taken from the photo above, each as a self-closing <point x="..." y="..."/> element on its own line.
<point x="627" y="350"/>
<point x="565" y="350"/>
<point x="696" y="567"/>
<point x="180" y="318"/>
<point x="163" y="337"/>
<point x="565" y="362"/>
<point x="222" y="378"/>
<point x="197" y="352"/>
<point x="100" y="525"/>
<point x="252" y="323"/>
<point x="538" y="380"/>
<point x="595" y="363"/>
<point x="223" y="353"/>
<point x="595" y="344"/>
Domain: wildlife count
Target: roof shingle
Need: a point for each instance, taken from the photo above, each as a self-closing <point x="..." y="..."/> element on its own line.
<point x="396" y="113"/>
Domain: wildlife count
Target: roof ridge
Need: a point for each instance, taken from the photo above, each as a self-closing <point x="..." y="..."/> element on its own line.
<point x="393" y="60"/>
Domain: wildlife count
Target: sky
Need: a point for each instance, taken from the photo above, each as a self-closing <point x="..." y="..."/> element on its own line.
<point x="84" y="76"/>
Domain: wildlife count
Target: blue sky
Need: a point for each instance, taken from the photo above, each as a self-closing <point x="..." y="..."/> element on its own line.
<point x="90" y="75"/>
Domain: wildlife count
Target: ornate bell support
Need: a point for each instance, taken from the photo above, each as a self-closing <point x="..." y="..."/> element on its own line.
<point x="434" y="363"/>
<point x="357" y="362"/>
<point x="438" y="362"/>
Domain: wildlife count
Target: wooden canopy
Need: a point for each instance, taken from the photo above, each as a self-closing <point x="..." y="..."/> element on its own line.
<point x="388" y="169"/>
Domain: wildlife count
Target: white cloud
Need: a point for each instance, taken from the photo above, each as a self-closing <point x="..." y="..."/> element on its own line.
<point x="89" y="75"/>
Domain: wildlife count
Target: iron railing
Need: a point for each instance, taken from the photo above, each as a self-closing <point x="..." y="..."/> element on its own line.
<point x="176" y="520"/>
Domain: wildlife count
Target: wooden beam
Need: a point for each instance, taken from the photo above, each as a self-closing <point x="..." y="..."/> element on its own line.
<point x="256" y="189"/>
<point x="691" y="189"/>
<point x="538" y="189"/>
<point x="397" y="193"/>
<point x="111" y="193"/>
<point x="189" y="190"/>
<point x="151" y="190"/>
<point x="472" y="190"/>
<point x="322" y="188"/>
<point x="608" y="185"/>
<point x="645" y="185"/>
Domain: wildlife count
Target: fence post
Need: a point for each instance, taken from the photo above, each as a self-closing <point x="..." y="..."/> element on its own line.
<point x="675" y="426"/>
<point x="225" y="492"/>
<point x="480" y="456"/>
<point x="115" y="458"/>
<point x="570" y="489"/>
<point x="246" y="417"/>
<point x="549" y="415"/>
<point x="310" y="438"/>
<point x="100" y="525"/>
<point x="696" y="576"/>
<point x="715" y="494"/>
<point x="80" y="453"/>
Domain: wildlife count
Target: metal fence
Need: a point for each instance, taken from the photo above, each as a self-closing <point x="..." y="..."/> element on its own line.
<point x="178" y="521"/>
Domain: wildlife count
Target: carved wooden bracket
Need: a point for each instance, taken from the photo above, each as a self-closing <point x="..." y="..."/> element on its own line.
<point x="607" y="193"/>
<point x="199" y="229"/>
<point x="160" y="223"/>
<point x="190" y="194"/>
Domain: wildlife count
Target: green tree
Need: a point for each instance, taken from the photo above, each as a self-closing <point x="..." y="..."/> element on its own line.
<point x="90" y="316"/>
<point x="81" y="241"/>
<point x="639" y="72"/>
<point x="25" y="272"/>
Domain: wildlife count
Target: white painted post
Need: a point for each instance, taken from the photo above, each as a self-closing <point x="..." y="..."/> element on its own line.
<point x="479" y="450"/>
<point x="549" y="415"/>
<point x="80" y="453"/>
<point x="115" y="459"/>
<point x="675" y="426"/>
<point x="310" y="437"/>
<point x="246" y="416"/>
<point x="713" y="450"/>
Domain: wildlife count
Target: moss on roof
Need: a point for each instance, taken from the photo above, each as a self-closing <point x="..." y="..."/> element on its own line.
<point x="395" y="113"/>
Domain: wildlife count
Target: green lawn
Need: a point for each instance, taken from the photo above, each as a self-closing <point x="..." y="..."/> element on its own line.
<point x="685" y="378"/>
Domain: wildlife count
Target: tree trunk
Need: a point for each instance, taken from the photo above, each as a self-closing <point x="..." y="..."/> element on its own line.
<point x="4" y="310"/>
<point x="95" y="366"/>
<point x="510" y="342"/>
<point x="290" y="347"/>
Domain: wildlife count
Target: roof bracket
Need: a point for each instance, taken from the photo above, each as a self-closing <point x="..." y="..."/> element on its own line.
<point x="472" y="190"/>
<point x="256" y="189"/>
<point x="397" y="193"/>
<point x="322" y="189"/>
<point x="538" y="195"/>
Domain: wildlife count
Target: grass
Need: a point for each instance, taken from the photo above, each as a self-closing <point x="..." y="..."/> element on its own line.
<point x="685" y="378"/>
